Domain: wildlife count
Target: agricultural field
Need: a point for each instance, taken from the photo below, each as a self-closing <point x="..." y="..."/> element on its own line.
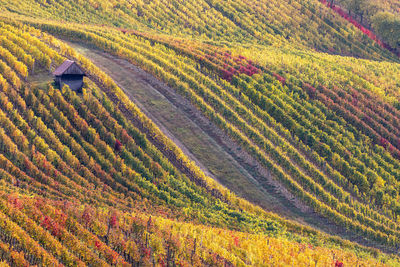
<point x="207" y="133"/>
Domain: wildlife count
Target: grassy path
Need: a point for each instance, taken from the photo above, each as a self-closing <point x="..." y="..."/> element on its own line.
<point x="183" y="126"/>
<point x="205" y="144"/>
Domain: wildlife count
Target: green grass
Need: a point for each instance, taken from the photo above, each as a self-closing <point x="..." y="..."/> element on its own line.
<point x="40" y="78"/>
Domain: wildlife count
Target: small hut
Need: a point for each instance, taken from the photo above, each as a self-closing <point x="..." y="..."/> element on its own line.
<point x="71" y="74"/>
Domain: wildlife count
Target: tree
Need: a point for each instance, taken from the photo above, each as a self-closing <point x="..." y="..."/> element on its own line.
<point x="387" y="25"/>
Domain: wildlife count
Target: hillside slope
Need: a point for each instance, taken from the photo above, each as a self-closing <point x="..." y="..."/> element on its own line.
<point x="328" y="162"/>
<point x="214" y="151"/>
<point x="308" y="24"/>
<point x="90" y="179"/>
<point x="72" y="194"/>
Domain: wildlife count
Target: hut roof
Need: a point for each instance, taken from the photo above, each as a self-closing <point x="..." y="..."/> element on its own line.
<point x="68" y="67"/>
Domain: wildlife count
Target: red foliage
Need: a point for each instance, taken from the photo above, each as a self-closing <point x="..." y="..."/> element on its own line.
<point x="236" y="241"/>
<point x="364" y="30"/>
<point x="383" y="142"/>
<point x="227" y="75"/>
<point x="39" y="203"/>
<point x="230" y="66"/>
<point x="338" y="263"/>
<point x="125" y="137"/>
<point x="27" y="164"/>
<point x="391" y="149"/>
<point x="161" y="261"/>
<point x="87" y="216"/>
<point x="97" y="243"/>
<point x="311" y="91"/>
<point x="14" y="200"/>
<point x="114" y="220"/>
<point x="228" y="54"/>
<point x="364" y="116"/>
<point x="52" y="226"/>
<point x="147" y="252"/>
<point x="61" y="218"/>
<point x="112" y="257"/>
<point x="280" y="78"/>
<point x="354" y="101"/>
<point x="118" y="145"/>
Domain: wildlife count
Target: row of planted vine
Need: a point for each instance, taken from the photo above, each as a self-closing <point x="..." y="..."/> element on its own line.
<point x="303" y="177"/>
<point x="306" y="23"/>
<point x="70" y="149"/>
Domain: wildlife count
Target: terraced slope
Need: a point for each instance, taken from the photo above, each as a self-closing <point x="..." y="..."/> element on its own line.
<point x="89" y="179"/>
<point x="307" y="147"/>
<point x="183" y="124"/>
<point x="209" y="147"/>
<point x="308" y="24"/>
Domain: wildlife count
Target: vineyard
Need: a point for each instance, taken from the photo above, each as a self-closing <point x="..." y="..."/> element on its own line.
<point x="88" y="179"/>
<point x="307" y="24"/>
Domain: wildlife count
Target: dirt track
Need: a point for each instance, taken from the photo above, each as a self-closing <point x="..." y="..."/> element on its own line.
<point x="213" y="151"/>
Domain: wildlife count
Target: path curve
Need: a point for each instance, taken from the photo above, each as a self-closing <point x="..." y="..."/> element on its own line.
<point x="205" y="144"/>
